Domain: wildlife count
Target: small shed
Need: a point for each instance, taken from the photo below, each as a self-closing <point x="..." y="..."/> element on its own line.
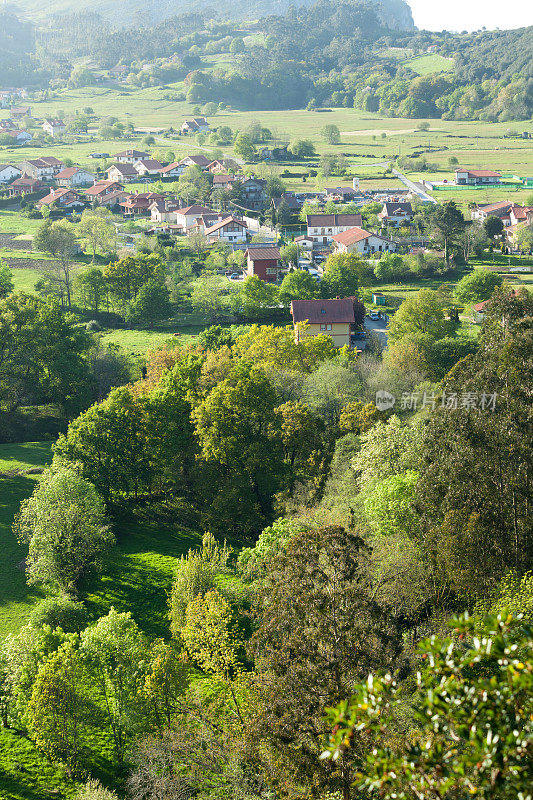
<point x="379" y="299"/>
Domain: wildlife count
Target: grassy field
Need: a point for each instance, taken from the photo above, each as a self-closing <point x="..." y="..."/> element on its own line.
<point x="430" y="64"/>
<point x="139" y="341"/>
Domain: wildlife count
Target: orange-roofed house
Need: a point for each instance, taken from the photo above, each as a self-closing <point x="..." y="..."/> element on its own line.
<point x="335" y="318"/>
<point x="357" y="240"/>
<point x="476" y="177"/>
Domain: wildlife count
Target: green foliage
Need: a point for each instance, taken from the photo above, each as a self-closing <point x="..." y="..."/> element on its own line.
<point x="152" y="302"/>
<point x="331" y="134"/>
<point x="477" y="285"/>
<point x="93" y="790"/>
<point x="59" y="612"/>
<point x="421" y="314"/>
<point x="209" y="634"/>
<point x="297" y="285"/>
<point x="342" y="273"/>
<point x="253" y="561"/>
<point x="471" y="708"/>
<point x="64" y="524"/>
<point x="6" y="280"/>
<point x="126" y="276"/>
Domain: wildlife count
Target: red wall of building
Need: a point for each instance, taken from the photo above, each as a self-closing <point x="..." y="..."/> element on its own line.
<point x="259" y="268"/>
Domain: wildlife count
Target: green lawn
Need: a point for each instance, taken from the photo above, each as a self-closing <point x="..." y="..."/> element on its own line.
<point x="430" y="64"/>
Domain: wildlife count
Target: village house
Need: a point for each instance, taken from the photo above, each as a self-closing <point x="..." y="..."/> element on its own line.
<point x="25" y="185"/>
<point x="122" y="172"/>
<point x="289" y="200"/>
<point x="205" y="221"/>
<point x="74" y="176"/>
<point x="7" y="125"/>
<point x="186" y="217"/>
<point x="254" y="193"/>
<point x="130" y="156"/>
<point x="263" y="261"/>
<point x="510" y="213"/>
<point x="163" y="210"/>
<point x="476" y="177"/>
<point x="148" y="167"/>
<point x="304" y="242"/>
<point x="172" y="170"/>
<point x="216" y="166"/>
<point x="20" y="137"/>
<point x="54" y="127"/>
<point x="334" y="318"/>
<point x="230" y="230"/>
<point x="139" y="203"/>
<point x="8" y="173"/>
<point x="102" y="189"/>
<point x="223" y="181"/>
<point x="396" y="214"/>
<point x="357" y="240"/>
<point x="44" y="168"/>
<point x="196" y="125"/>
<point x="323" y="227"/>
<point x="195" y="161"/>
<point x="67" y="199"/>
<point x="340" y="194"/>
<point x="20" y="111"/>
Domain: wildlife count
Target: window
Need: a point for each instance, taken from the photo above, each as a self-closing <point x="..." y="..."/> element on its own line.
<point x="325" y="326"/>
<point x="272" y="271"/>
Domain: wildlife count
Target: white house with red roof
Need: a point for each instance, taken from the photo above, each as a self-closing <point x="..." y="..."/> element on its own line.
<point x="476" y="177"/>
<point x="74" y="176"/>
<point x="229" y="229"/>
<point x="186" y="217"/>
<point x="357" y="240"/>
<point x="323" y="227"/>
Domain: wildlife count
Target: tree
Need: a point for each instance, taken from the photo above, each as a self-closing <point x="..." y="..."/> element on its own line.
<point x="209" y="634"/>
<point x="58" y="239"/>
<point x="447" y="225"/>
<point x="64" y="524"/>
<point x="94" y="288"/>
<point x="215" y="337"/>
<point x="97" y="231"/>
<point x="209" y="296"/>
<point x="255" y="297"/>
<point x="290" y="253"/>
<point x="524" y="238"/>
<point x="342" y="272"/>
<point x="331" y="134"/>
<point x="196" y="573"/>
<point x="152" y="302"/>
<point x="313" y="586"/>
<point x="471" y="712"/>
<point x="55" y="708"/>
<point x="297" y="285"/>
<point x="42" y="355"/>
<point x="93" y="790"/>
<point x="302" y="148"/>
<point x="390" y="268"/>
<point x="493" y="226"/>
<point x="237" y="46"/>
<point x="6" y="280"/>
<point x="423" y="313"/>
<point x="114" y="649"/>
<point x="126" y="276"/>
<point x="275" y="187"/>
<point x="477" y="285"/>
<point x="244" y="147"/>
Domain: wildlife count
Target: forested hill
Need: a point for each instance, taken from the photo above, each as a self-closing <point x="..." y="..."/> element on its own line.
<point x="395" y="13"/>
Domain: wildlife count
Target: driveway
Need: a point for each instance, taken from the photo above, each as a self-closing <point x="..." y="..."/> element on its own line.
<point x="379" y="326"/>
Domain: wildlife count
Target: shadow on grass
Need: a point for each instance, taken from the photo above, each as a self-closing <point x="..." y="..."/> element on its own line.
<point x="28" y="453"/>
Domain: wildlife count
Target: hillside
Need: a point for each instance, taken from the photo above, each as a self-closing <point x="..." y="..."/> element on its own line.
<point x="395" y="13"/>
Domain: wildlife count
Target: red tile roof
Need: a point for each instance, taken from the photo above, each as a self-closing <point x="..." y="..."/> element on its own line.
<point x="319" y="311"/>
<point x="479" y="173"/>
<point x="352" y="236"/>
<point x="223" y="222"/>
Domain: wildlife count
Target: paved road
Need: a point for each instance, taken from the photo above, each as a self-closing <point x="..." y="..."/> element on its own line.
<point x="414" y="187"/>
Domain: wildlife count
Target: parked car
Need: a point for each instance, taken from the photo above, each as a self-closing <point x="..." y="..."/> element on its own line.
<point x="373" y="315"/>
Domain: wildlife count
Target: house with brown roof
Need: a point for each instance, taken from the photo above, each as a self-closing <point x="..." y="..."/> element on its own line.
<point x="130" y="156"/>
<point x="230" y="230"/>
<point x="357" y="240"/>
<point x="396" y="214"/>
<point x="67" y="199"/>
<point x="148" y="167"/>
<point x="196" y="125"/>
<point x="19" y="136"/>
<point x="54" y="127"/>
<point x="323" y="227"/>
<point x="195" y="161"/>
<point x="264" y="261"/>
<point x="74" y="176"/>
<point x="44" y="168"/>
<point x="122" y="172"/>
<point x="139" y="203"/>
<point x="164" y="210"/>
<point x="172" y="170"/>
<point x="334" y="318"/>
<point x="186" y="217"/>
<point x="476" y="177"/>
<point x="224" y="181"/>
<point x="20" y="111"/>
